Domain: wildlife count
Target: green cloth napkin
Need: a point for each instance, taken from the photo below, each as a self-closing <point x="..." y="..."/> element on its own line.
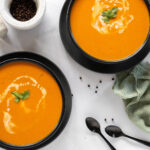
<point x="133" y="86"/>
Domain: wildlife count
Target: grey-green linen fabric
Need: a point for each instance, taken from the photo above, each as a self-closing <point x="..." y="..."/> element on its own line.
<point x="133" y="86"/>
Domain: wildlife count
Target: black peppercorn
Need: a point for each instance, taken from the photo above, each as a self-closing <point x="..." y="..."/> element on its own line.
<point x="80" y="78"/>
<point x="100" y="81"/>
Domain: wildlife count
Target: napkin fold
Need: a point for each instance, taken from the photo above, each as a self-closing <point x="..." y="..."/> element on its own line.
<point x="133" y="86"/>
<point x="3" y="28"/>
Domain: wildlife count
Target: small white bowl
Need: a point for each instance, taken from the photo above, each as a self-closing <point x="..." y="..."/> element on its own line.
<point x="23" y="25"/>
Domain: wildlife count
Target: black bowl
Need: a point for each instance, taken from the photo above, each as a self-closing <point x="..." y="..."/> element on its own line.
<point x="90" y="62"/>
<point x="65" y="89"/>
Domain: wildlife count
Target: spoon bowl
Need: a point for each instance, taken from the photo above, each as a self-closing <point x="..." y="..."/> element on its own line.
<point x="114" y="131"/>
<point x="92" y="124"/>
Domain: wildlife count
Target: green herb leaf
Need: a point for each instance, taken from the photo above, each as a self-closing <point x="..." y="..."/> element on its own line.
<point x="114" y="10"/>
<point x="18" y="95"/>
<point x="21" y="96"/>
<point x="109" y="14"/>
<point x="25" y="94"/>
<point x="106" y="13"/>
<point x="17" y="100"/>
<point x="106" y="19"/>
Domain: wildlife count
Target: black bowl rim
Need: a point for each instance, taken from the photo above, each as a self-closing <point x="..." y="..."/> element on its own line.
<point x="51" y="68"/>
<point x="89" y="61"/>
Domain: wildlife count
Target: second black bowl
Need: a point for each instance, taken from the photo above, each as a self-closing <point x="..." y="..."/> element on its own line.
<point x="90" y="62"/>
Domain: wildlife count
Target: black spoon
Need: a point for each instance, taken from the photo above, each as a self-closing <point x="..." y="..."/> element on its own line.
<point x="116" y="132"/>
<point x="94" y="126"/>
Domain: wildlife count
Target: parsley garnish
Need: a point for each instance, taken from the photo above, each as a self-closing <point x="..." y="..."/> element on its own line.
<point x="109" y="14"/>
<point x="21" y="96"/>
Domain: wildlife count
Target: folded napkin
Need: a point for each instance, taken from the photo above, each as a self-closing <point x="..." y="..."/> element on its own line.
<point x="3" y="28"/>
<point x="133" y="86"/>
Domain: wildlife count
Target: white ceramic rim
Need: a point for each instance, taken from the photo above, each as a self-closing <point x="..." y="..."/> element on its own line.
<point x="41" y="5"/>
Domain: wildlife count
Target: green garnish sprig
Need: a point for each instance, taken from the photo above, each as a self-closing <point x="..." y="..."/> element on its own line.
<point x="21" y="96"/>
<point x="109" y="14"/>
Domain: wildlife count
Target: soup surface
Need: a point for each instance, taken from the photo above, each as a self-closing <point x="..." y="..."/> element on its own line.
<point x="28" y="121"/>
<point x="116" y="39"/>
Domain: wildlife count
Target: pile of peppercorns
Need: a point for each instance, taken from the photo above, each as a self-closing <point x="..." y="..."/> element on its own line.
<point x="23" y="10"/>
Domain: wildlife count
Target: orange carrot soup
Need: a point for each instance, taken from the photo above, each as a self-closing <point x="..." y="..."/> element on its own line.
<point x="110" y="29"/>
<point x="30" y="103"/>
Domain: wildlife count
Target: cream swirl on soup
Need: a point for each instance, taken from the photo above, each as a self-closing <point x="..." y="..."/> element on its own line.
<point x="119" y="24"/>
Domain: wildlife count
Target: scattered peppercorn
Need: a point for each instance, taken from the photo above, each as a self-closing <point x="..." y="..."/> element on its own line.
<point x="113" y="78"/>
<point x="105" y="120"/>
<point x="89" y="85"/>
<point x="80" y="78"/>
<point x="112" y="119"/>
<point x="100" y="81"/>
<point x="23" y="10"/>
<point x="72" y="95"/>
<point x="95" y="91"/>
<point x="96" y="87"/>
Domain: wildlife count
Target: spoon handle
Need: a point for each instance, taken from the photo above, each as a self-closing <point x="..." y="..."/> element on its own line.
<point x="138" y="140"/>
<point x="110" y="145"/>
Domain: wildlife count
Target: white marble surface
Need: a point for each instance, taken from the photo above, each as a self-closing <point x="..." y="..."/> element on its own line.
<point x="45" y="40"/>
